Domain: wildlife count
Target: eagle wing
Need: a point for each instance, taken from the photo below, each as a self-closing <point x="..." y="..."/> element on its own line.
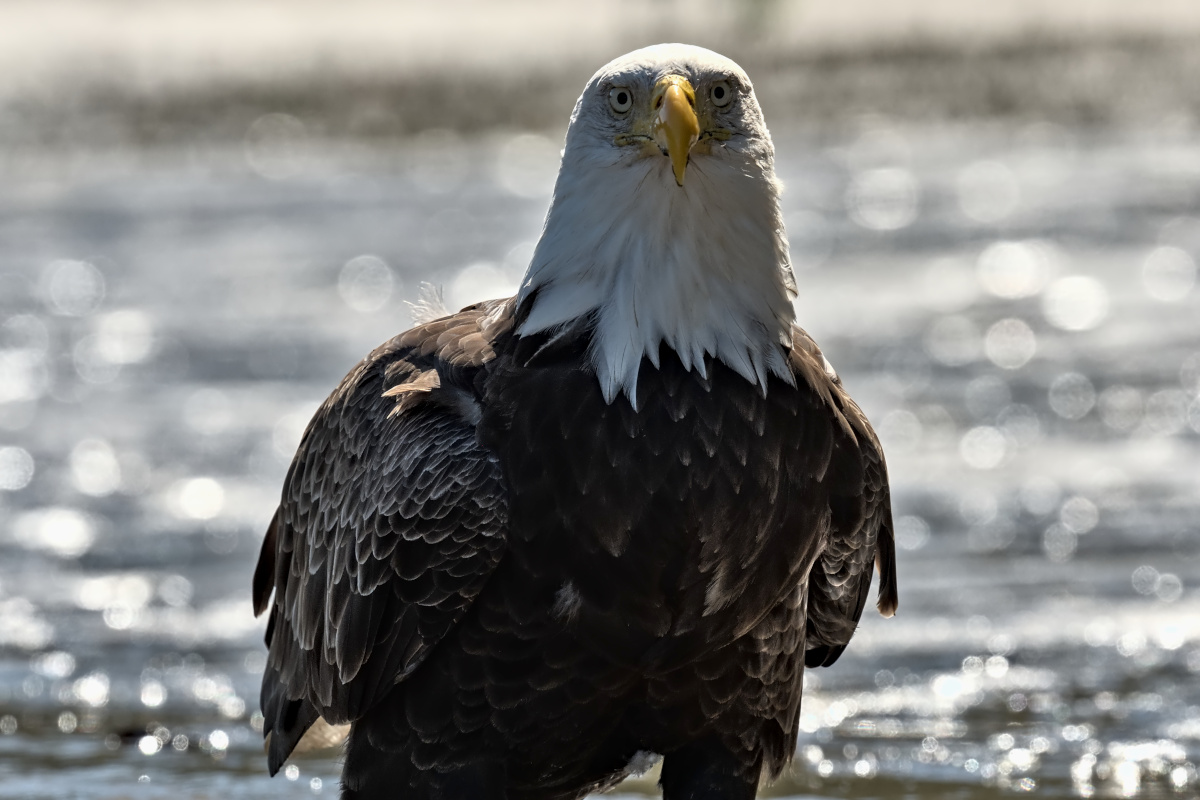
<point x="392" y="518"/>
<point x="861" y="537"/>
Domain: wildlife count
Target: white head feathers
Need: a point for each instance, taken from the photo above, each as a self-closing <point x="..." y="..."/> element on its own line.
<point x="702" y="267"/>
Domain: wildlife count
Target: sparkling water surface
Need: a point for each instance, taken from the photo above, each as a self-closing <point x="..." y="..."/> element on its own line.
<point x="1015" y="309"/>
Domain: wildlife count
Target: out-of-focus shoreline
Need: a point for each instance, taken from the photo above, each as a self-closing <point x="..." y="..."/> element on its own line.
<point x="1127" y="80"/>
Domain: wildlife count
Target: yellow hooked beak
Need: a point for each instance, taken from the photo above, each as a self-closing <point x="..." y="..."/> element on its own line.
<point x="676" y="128"/>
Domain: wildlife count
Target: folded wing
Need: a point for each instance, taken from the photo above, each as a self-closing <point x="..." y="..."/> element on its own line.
<point x="393" y="516"/>
<point x="861" y="537"/>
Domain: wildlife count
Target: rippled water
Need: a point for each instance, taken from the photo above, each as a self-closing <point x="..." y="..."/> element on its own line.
<point x="1016" y="310"/>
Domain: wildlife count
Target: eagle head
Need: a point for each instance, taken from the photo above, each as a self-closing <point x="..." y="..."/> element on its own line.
<point x="665" y="226"/>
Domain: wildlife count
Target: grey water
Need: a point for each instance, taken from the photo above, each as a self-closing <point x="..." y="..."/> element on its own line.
<point x="1015" y="308"/>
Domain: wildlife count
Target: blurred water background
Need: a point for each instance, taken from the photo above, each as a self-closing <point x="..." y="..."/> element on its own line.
<point x="209" y="212"/>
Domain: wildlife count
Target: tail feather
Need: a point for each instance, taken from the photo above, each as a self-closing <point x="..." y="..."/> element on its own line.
<point x="284" y="720"/>
<point x="885" y="561"/>
<point x="264" y="571"/>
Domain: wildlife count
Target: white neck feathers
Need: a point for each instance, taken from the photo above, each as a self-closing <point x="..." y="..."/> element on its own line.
<point x="703" y="267"/>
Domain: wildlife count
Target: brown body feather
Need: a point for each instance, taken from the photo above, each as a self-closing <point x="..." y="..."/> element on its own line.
<point x="487" y="569"/>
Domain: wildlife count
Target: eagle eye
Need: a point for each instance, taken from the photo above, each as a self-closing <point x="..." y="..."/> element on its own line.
<point x="620" y="99"/>
<point x="721" y="94"/>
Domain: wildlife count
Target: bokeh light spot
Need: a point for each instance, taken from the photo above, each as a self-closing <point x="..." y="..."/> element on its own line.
<point x="275" y="146"/>
<point x="64" y="532"/>
<point x="1168" y="588"/>
<point x="289" y="430"/>
<point x="366" y="283"/>
<point x="1075" y="303"/>
<point x="23" y="378"/>
<point x="218" y="740"/>
<point x="953" y="340"/>
<point x="1010" y="343"/>
<point x="176" y="591"/>
<point x="153" y="694"/>
<point x="1059" y="543"/>
<point x="883" y="199"/>
<point x="92" y="690"/>
<point x="527" y="165"/>
<point x="1189" y="374"/>
<point x="73" y="288"/>
<point x="208" y="411"/>
<point x="201" y="498"/>
<point x="95" y="470"/>
<point x="1013" y="270"/>
<point x="90" y="363"/>
<point x="912" y="532"/>
<point x="1079" y="514"/>
<point x="56" y="664"/>
<point x="480" y="281"/>
<point x="1072" y="395"/>
<point x="900" y="429"/>
<point x="1166" y="412"/>
<point x="1145" y="579"/>
<point x="24" y="333"/>
<point x="987" y="395"/>
<point x="16" y="468"/>
<point x="1121" y="407"/>
<point x="67" y="722"/>
<point x="983" y="447"/>
<point x="124" y="337"/>
<point x="1168" y="274"/>
<point x="1020" y="424"/>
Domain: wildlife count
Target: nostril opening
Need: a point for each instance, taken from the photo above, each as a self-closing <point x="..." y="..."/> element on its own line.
<point x="658" y="103"/>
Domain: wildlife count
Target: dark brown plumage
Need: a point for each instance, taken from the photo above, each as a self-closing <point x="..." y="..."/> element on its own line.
<point x="512" y="588"/>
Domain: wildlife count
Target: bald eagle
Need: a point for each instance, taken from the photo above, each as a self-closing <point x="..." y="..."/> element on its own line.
<point x="524" y="548"/>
